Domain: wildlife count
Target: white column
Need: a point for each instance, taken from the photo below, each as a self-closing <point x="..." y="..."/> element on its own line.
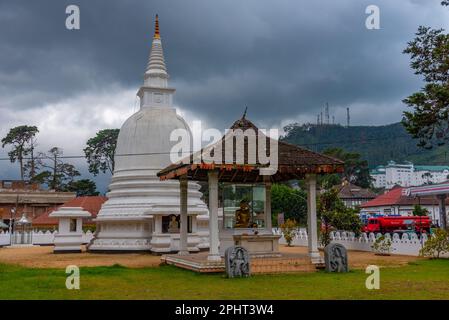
<point x="268" y="224"/>
<point x="157" y="224"/>
<point x="183" y="250"/>
<point x="214" y="254"/>
<point x="442" y="209"/>
<point x="312" y="219"/>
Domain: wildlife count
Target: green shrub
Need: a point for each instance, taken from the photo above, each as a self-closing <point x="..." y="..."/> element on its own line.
<point x="382" y="246"/>
<point x="289" y="230"/>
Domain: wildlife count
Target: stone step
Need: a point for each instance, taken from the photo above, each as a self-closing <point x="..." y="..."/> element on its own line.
<point x="281" y="265"/>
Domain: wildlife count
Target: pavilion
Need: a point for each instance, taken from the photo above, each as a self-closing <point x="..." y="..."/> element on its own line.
<point x="293" y="162"/>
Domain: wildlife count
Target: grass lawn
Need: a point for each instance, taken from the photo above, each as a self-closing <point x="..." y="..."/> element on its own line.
<point x="424" y="279"/>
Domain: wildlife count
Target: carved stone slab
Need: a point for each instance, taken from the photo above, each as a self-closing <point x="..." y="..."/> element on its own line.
<point x="237" y="262"/>
<point x="336" y="258"/>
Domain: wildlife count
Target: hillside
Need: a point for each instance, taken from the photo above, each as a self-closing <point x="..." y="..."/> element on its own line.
<point x="377" y="144"/>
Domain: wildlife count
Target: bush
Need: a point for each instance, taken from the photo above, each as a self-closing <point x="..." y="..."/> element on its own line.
<point x="436" y="245"/>
<point x="419" y="211"/>
<point x="289" y="230"/>
<point x="382" y="246"/>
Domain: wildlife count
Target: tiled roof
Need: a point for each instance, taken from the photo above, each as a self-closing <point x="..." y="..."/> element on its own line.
<point x="92" y="204"/>
<point x="293" y="161"/>
<point x="351" y="191"/>
<point x="397" y="197"/>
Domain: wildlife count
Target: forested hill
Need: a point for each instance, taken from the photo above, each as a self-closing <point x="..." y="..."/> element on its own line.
<point x="377" y="144"/>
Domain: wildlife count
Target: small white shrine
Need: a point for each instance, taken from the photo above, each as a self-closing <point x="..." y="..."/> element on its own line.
<point x="69" y="237"/>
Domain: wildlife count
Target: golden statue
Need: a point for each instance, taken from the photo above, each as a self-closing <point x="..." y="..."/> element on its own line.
<point x="242" y="216"/>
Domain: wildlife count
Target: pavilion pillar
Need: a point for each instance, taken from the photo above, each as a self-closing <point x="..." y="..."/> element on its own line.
<point x="183" y="185"/>
<point x="268" y="223"/>
<point x="312" y="226"/>
<point x="214" y="254"/>
<point x="442" y="209"/>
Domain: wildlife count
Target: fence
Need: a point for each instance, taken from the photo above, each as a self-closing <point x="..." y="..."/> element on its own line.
<point x="407" y="244"/>
<point x="37" y="237"/>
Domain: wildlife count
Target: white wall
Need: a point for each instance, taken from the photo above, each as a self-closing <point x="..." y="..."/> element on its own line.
<point x="42" y="238"/>
<point x="406" y="245"/>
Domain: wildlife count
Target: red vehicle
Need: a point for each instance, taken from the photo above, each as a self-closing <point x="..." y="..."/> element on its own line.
<point x="395" y="223"/>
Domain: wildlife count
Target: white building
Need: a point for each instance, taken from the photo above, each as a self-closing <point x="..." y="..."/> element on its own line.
<point x="408" y="175"/>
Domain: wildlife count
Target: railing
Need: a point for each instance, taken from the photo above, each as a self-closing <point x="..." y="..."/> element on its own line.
<point x="37" y="237"/>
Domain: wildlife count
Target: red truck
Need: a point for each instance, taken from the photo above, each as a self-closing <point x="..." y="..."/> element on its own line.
<point x="395" y="223"/>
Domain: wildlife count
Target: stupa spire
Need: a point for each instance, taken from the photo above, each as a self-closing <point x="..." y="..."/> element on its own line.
<point x="156" y="28"/>
<point x="155" y="91"/>
<point x="156" y="68"/>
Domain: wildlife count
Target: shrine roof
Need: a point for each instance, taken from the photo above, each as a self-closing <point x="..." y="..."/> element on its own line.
<point x="293" y="162"/>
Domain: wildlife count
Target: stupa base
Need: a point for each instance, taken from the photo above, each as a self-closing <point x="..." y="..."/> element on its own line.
<point x="121" y="236"/>
<point x="168" y="243"/>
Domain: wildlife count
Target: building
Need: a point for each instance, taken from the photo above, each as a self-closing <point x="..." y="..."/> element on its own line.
<point x="407" y="175"/>
<point x="246" y="184"/>
<point x="353" y="196"/>
<point x="21" y="197"/>
<point x="142" y="212"/>
<point x="397" y="202"/>
<point x="91" y="204"/>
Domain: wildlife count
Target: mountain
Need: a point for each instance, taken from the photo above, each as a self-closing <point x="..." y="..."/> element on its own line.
<point x="377" y="144"/>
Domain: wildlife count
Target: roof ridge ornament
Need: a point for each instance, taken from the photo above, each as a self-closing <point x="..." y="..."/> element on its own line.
<point x="244" y="113"/>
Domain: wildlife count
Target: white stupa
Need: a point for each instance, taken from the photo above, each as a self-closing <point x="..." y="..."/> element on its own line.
<point x="142" y="213"/>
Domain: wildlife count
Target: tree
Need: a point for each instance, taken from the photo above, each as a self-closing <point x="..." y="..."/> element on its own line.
<point x="335" y="215"/>
<point x="58" y="175"/>
<point x="21" y="139"/>
<point x="83" y="187"/>
<point x="436" y="245"/>
<point x="291" y="202"/>
<point x="419" y="211"/>
<point x="429" y="120"/>
<point x="356" y="169"/>
<point x="100" y="151"/>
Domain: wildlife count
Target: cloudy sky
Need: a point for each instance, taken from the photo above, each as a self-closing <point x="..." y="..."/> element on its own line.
<point x="284" y="59"/>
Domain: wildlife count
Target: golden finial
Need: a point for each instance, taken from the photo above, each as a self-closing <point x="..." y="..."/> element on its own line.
<point x="156" y="29"/>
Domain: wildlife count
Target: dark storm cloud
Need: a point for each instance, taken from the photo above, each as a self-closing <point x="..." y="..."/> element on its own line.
<point x="284" y="59"/>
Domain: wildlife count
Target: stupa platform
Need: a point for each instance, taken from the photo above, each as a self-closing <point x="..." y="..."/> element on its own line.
<point x="286" y="262"/>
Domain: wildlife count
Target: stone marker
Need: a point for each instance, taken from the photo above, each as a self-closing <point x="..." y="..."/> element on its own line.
<point x="336" y="258"/>
<point x="237" y="262"/>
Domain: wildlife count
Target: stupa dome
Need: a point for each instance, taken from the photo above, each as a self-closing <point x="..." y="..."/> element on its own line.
<point x="144" y="139"/>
